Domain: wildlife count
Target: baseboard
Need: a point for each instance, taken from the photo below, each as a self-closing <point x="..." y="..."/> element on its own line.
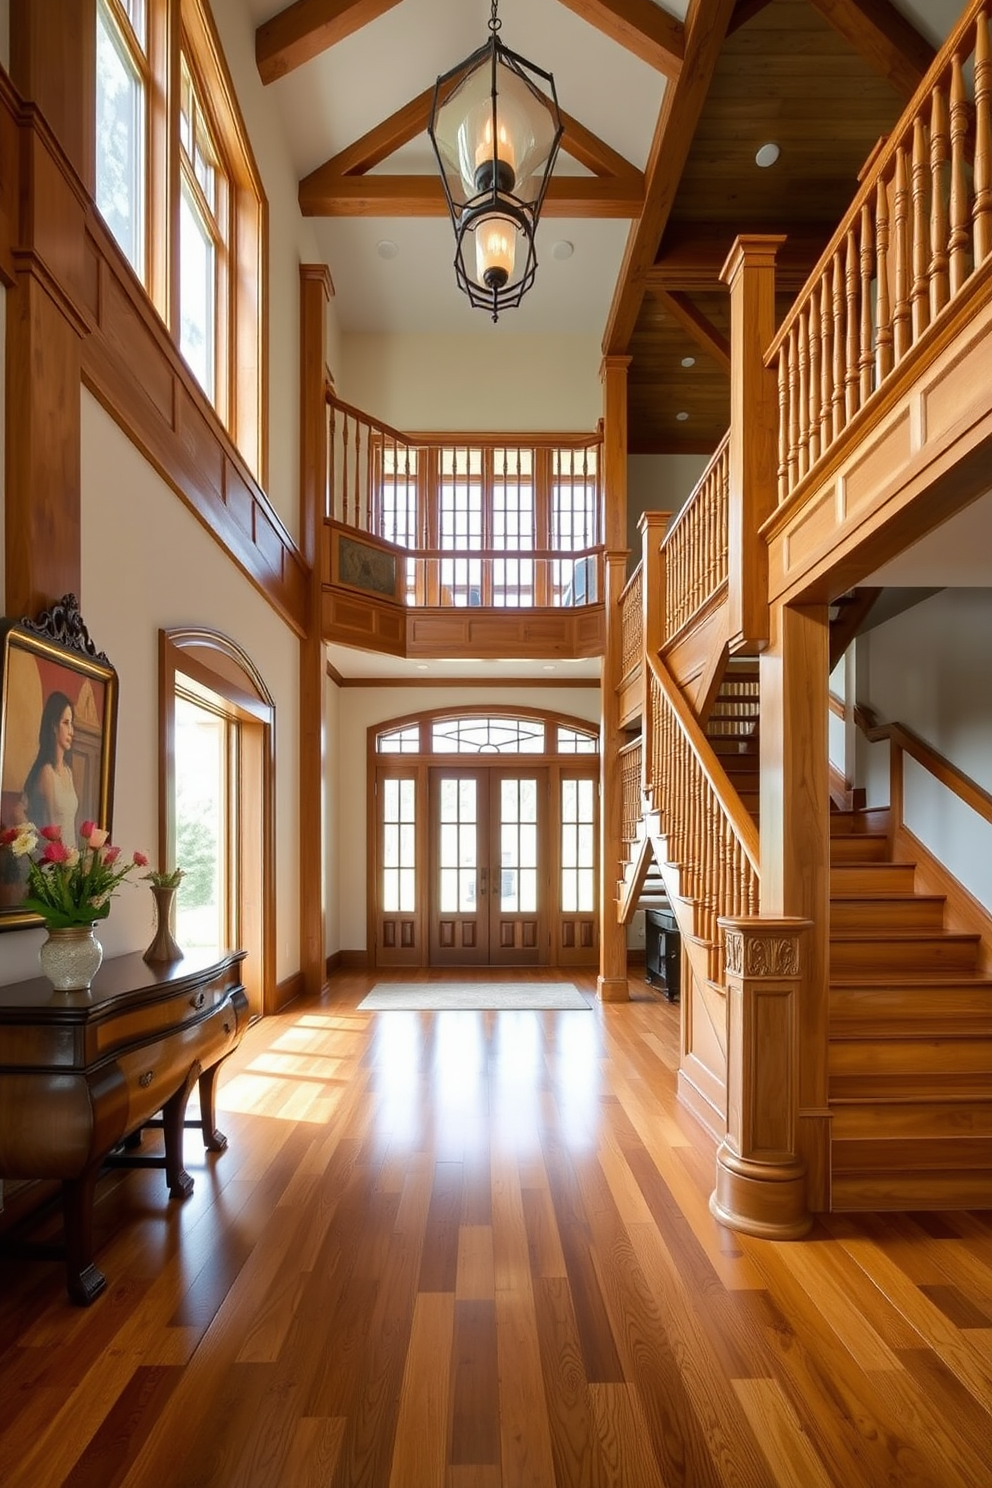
<point x="287" y="991"/>
<point x="333" y="962"/>
<point x="354" y="960"/>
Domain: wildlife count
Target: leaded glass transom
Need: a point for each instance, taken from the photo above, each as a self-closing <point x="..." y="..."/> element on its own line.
<point x="488" y="736"/>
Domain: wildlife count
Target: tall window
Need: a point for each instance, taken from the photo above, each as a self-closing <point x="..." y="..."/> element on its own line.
<point x="202" y="236"/>
<point x="121" y="123"/>
<point x="205" y="830"/>
<point x="175" y="175"/>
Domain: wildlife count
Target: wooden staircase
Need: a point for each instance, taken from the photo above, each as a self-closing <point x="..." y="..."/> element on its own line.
<point x="910" y="1054"/>
<point x="733" y="730"/>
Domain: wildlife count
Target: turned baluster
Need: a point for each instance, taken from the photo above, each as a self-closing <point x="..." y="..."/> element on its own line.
<point x="802" y="402"/>
<point x="883" y="306"/>
<point x="837" y="306"/>
<point x="826" y="366"/>
<point x="783" y="425"/>
<point x="939" y="156"/>
<point x="331" y="435"/>
<point x="360" y="515"/>
<point x="851" y="345"/>
<point x="815" y="390"/>
<point x="344" y="469"/>
<point x="920" y="292"/>
<point x="983" y="139"/>
<point x="959" y="242"/>
<point x="901" y="331"/>
<point x="793" y="406"/>
<point x="866" y="359"/>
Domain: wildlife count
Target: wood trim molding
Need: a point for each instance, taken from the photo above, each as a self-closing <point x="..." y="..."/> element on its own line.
<point x="882" y="37"/>
<point x="307" y="28"/>
<point x="131" y="366"/>
<point x="646" y="30"/>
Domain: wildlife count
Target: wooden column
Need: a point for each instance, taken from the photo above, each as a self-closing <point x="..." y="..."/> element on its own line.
<point x="316" y="290"/>
<point x="795" y="850"/>
<point x="750" y="273"/>
<point x="760" y="1178"/>
<point x="51" y="67"/>
<point x="612" y="982"/>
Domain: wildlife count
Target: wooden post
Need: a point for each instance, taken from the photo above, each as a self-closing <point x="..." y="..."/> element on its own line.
<point x="795" y="851"/>
<point x="750" y="273"/>
<point x="760" y="1179"/>
<point x="612" y="982"/>
<point x="316" y="290"/>
<point x="52" y="65"/>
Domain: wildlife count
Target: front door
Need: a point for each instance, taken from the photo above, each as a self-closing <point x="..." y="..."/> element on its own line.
<point x="488" y="866"/>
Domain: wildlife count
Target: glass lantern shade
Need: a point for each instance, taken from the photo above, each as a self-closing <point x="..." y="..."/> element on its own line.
<point x="495" y="127"/>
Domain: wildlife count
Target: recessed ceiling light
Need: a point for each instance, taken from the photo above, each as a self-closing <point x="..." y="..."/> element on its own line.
<point x="767" y="155"/>
<point x="682" y="417"/>
<point x="550" y="667"/>
<point x="688" y="361"/>
<point x="563" y="249"/>
<point x="386" y="248"/>
<point x="422" y="666"/>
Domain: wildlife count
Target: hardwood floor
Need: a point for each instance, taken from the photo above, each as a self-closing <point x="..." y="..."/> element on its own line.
<point x="474" y="1249"/>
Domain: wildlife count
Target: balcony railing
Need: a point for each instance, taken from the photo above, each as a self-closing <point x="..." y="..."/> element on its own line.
<point x="695" y="545"/>
<point x="918" y="229"/>
<point x="505" y="522"/>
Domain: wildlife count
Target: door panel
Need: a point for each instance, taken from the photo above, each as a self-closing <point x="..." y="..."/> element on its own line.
<point x="489" y="878"/>
<point x="459" y="927"/>
<point x="577" y="896"/>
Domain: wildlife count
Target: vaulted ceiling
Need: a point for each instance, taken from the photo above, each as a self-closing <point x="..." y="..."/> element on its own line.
<point x="666" y="108"/>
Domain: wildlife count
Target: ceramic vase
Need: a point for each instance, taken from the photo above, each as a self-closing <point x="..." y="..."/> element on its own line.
<point x="164" y="947"/>
<point x="71" y="958"/>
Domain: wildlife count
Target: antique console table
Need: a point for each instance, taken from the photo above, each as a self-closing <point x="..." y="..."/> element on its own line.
<point x="82" y="1071"/>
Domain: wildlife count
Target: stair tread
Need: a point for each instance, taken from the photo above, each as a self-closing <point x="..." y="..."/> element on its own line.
<point x="907" y="933"/>
<point x="882" y="896"/>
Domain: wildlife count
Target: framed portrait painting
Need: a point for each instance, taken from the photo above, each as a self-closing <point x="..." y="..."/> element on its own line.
<point x="58" y="721"/>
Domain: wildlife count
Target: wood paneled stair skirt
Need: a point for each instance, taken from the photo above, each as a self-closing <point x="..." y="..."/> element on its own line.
<point x="910" y="1058"/>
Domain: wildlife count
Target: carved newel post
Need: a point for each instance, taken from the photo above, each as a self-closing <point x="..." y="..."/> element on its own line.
<point x="760" y="1179"/>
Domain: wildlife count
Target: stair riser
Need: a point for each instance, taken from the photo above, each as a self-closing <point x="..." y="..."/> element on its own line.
<point x="871" y="878"/>
<point x="917" y="1121"/>
<point x="856" y="848"/>
<point x="916" y="957"/>
<point x="928" y="1011"/>
<point x="908" y="1191"/>
<point x="926" y="1059"/>
<point x="904" y="1156"/>
<point x="913" y="913"/>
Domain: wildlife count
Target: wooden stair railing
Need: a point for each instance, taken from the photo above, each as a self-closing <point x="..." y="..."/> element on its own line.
<point x="919" y="228"/>
<point x="709" y="836"/>
<point x="695" y="546"/>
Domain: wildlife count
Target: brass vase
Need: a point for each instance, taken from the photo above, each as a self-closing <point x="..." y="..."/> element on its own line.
<point x="164" y="947"/>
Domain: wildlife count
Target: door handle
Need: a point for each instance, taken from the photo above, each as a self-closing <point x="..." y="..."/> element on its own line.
<point x="482" y="882"/>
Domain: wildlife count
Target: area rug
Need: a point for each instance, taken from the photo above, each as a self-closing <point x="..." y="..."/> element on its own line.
<point x="471" y="997"/>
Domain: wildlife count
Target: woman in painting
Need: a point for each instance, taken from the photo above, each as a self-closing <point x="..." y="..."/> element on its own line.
<point x="49" y="790"/>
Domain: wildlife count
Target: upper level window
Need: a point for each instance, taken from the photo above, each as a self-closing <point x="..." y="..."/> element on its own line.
<point x="202" y="236"/>
<point x="175" y="175"/>
<point x="121" y="114"/>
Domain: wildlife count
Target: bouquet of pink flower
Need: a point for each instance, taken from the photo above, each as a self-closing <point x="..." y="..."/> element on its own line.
<point x="69" y="885"/>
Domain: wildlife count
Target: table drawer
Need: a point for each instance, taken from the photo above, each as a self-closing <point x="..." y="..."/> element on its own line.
<point x="156" y="1071"/>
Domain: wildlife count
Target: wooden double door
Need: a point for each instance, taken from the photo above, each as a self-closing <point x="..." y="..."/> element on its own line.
<point x="489" y="866"/>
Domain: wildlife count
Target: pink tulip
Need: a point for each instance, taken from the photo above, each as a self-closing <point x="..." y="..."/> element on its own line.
<point x="86" y="830"/>
<point x="55" y="852"/>
<point x="139" y="860"/>
<point x="95" y="837"/>
<point x="8" y="836"/>
<point x="50" y="834"/>
<point x="110" y="855"/>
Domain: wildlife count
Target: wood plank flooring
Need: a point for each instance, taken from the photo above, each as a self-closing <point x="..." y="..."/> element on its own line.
<point x="473" y="1250"/>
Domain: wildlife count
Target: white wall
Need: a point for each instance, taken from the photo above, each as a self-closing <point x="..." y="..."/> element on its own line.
<point x="476" y="382"/>
<point x="148" y="563"/>
<point x="658" y="483"/>
<point x="930" y="668"/>
<point x="363" y="706"/>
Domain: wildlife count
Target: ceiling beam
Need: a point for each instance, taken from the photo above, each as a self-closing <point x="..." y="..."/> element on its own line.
<point x="640" y="26"/>
<point x="329" y="194"/>
<point x="705" y="30"/>
<point x="307" y="28"/>
<point x="889" y="44"/>
<point x="690" y="260"/>
<point x="706" y="336"/>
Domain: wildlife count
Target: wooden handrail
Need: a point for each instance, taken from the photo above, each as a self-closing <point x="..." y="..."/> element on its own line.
<point x="695" y="546"/>
<point x="632" y="622"/>
<point x="941" y="768"/>
<point x="741" y="822"/>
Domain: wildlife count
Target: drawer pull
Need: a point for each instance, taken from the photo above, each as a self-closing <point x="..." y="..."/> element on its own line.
<point x="198" y="999"/>
<point x="146" y="1079"/>
<point x="227" y="1027"/>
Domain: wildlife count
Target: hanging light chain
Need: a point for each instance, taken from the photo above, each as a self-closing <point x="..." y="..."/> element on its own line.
<point x="494" y="21"/>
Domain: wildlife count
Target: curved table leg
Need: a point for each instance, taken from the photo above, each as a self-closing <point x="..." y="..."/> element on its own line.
<point x="213" y="1140"/>
<point x="173" y="1121"/>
